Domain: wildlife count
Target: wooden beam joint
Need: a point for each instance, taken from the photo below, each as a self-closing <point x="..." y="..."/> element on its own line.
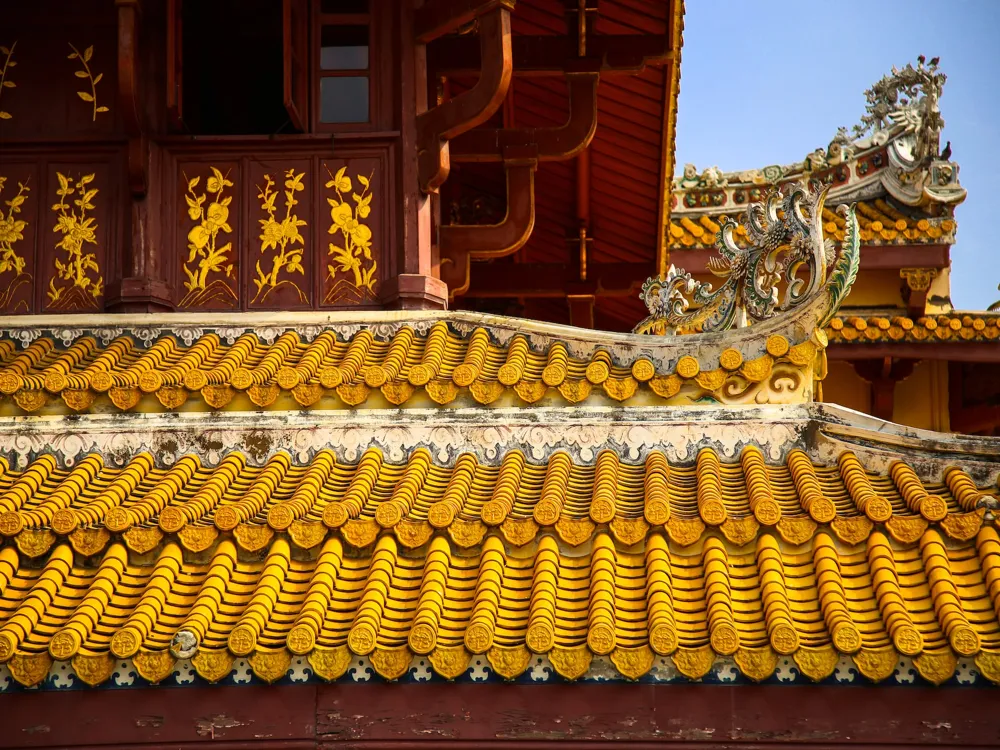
<point x="883" y="374"/>
<point x="554" y="143"/>
<point x="129" y="16"/>
<point x="916" y="286"/>
<point x="461" y="243"/>
<point x="439" y="17"/>
<point x="451" y="118"/>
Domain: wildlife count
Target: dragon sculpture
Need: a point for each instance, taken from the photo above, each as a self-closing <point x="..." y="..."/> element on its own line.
<point x="784" y="244"/>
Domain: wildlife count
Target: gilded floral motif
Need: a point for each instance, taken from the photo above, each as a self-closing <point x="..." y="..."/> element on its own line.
<point x="571" y="663"/>
<point x="354" y="256"/>
<point x="205" y="255"/>
<point x="8" y="63"/>
<point x="330" y="663"/>
<point x="88" y="96"/>
<point x="11" y="232"/>
<point x="281" y="236"/>
<point x="76" y="289"/>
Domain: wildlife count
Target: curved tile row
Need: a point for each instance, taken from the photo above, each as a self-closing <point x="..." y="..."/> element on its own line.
<point x="91" y="499"/>
<point x="880" y="224"/>
<point x="817" y="602"/>
<point x="888" y="328"/>
<point x="441" y="364"/>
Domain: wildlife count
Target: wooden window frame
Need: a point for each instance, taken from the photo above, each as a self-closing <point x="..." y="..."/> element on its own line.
<point x="175" y="69"/>
<point x="295" y="53"/>
<point x="372" y="73"/>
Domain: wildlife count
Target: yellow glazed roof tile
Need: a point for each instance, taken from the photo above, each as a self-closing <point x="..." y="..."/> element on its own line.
<point x="744" y="558"/>
<point x="439" y="366"/>
<point x="897" y="327"/>
<point x="880" y="224"/>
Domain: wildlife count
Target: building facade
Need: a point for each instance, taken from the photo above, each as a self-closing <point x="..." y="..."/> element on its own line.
<point x="297" y="449"/>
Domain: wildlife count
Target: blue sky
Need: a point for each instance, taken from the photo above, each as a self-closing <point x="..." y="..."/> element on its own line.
<point x="768" y="82"/>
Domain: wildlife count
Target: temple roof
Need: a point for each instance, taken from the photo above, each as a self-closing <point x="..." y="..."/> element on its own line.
<point x="449" y="359"/>
<point x="892" y="166"/>
<point x="682" y="508"/>
<point x="422" y="359"/>
<point x="766" y="533"/>
<point x="895" y="326"/>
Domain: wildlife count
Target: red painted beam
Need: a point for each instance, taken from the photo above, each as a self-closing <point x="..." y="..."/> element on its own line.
<point x="555" y="280"/>
<point x="552" y="55"/>
<point x="463" y="715"/>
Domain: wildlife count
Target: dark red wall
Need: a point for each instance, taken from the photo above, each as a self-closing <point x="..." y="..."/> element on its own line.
<point x="380" y="715"/>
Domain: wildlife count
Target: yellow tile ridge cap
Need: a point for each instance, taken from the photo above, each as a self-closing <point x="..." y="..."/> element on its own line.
<point x="888" y="326"/>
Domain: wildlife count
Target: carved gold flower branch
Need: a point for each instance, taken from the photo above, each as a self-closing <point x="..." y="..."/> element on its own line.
<point x="282" y="236"/>
<point x="8" y="63"/>
<point x="78" y="230"/>
<point x="12" y="231"/>
<point x="206" y="245"/>
<point x="84" y="59"/>
<point x="354" y="256"/>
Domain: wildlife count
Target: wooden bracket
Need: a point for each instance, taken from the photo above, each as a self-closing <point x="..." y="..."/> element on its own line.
<point x="461" y="243"/>
<point x="553" y="144"/>
<point x="435" y="18"/>
<point x="917" y="284"/>
<point x="883" y="375"/>
<point x="451" y="118"/>
<point x="129" y="13"/>
<point x="581" y="310"/>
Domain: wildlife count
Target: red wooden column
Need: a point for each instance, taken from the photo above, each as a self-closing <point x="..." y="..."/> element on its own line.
<point x="883" y="375"/>
<point x="413" y="284"/>
<point x="139" y="285"/>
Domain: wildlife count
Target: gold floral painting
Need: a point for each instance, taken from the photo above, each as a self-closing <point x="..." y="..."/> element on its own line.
<point x="351" y="266"/>
<point x="77" y="283"/>
<point x="210" y="265"/>
<point x="281" y="237"/>
<point x="13" y="262"/>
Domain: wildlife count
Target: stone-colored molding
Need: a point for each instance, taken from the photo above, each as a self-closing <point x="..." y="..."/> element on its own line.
<point x="822" y="430"/>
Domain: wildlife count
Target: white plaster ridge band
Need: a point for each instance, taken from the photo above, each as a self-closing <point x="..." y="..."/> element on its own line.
<point x="822" y="430"/>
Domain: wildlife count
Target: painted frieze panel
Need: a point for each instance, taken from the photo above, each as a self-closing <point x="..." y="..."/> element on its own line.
<point x="352" y="238"/>
<point x="279" y="235"/>
<point x="208" y="238"/>
<point x="74" y="249"/>
<point x="58" y="71"/>
<point x="7" y="76"/>
<point x="287" y="231"/>
<point x="19" y="201"/>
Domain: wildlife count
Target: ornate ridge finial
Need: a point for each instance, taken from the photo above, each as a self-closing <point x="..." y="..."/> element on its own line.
<point x="908" y="97"/>
<point x="785" y="248"/>
<point x="902" y="108"/>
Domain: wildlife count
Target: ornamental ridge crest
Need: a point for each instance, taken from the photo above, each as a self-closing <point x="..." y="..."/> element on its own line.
<point x="786" y="263"/>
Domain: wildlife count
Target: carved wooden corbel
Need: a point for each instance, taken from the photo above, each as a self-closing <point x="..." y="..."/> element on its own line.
<point x="129" y="12"/>
<point x="461" y="243"/>
<point x="438" y="125"/>
<point x="555" y="143"/>
<point x="435" y="18"/>
<point x="916" y="286"/>
<point x="883" y="375"/>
